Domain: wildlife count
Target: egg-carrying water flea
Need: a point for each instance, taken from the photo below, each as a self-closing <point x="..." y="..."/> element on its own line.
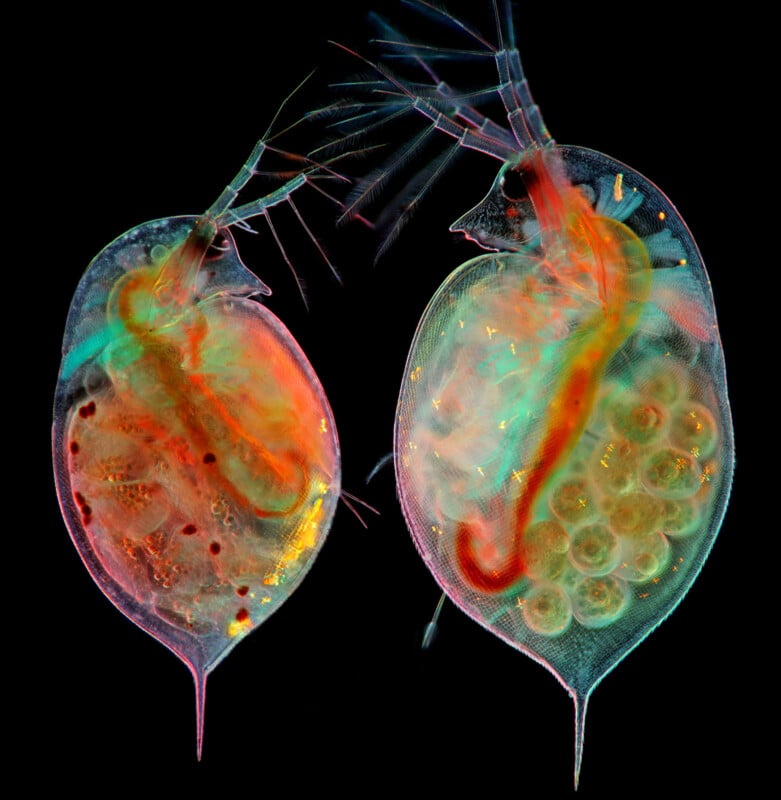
<point x="195" y="453"/>
<point x="563" y="442"/>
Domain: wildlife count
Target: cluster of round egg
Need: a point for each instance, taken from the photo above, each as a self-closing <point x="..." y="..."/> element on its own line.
<point x="611" y="522"/>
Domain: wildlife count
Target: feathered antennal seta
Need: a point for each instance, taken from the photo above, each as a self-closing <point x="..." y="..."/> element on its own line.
<point x="387" y="97"/>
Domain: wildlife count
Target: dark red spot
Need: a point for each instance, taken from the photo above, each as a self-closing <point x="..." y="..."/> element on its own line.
<point x="189" y="529"/>
<point x="214" y="548"/>
<point x="86" y="510"/>
<point x="242" y="590"/>
<point x="87" y="410"/>
<point x="209" y="458"/>
<point x="74" y="447"/>
<point x="242" y="614"/>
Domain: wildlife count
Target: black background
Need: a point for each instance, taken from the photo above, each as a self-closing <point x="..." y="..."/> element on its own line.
<point x="135" y="117"/>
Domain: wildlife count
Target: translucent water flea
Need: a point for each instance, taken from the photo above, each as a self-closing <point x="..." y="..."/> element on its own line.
<point x="195" y="453"/>
<point x="563" y="444"/>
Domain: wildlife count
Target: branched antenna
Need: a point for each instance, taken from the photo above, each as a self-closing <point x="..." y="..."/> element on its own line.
<point x="308" y="172"/>
<point x="386" y="98"/>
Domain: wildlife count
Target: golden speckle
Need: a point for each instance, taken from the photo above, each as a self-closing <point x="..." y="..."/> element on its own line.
<point x="239" y="627"/>
<point x="618" y="192"/>
<point x="323" y="425"/>
<point x="605" y="460"/>
<point x="415" y="374"/>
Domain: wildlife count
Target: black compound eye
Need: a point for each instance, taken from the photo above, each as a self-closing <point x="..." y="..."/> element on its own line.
<point x="513" y="187"/>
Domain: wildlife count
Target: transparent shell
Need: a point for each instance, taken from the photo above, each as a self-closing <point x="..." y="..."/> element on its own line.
<point x="196" y="456"/>
<point x="619" y="526"/>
